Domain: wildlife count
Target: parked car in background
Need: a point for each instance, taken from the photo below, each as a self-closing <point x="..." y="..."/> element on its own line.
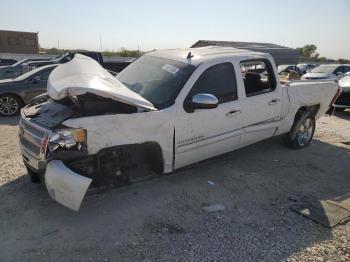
<point x="15" y="70"/>
<point x="306" y="67"/>
<point x="61" y="59"/>
<point x="15" y="93"/>
<point x="5" y="61"/>
<point x="287" y="68"/>
<point x="327" y="72"/>
<point x="167" y="110"/>
<point x="343" y="100"/>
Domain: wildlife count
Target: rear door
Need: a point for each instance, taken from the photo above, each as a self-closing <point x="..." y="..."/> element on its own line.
<point x="208" y="132"/>
<point x="262" y="101"/>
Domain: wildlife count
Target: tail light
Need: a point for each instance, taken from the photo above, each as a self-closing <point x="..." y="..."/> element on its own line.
<point x="330" y="111"/>
<point x="337" y="94"/>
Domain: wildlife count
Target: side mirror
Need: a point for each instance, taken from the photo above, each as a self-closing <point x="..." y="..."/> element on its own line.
<point x="201" y="101"/>
<point x="36" y="79"/>
<point x="347" y="74"/>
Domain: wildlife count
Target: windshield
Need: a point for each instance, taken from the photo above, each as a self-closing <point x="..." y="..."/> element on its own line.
<point x="20" y="62"/>
<point x="158" y="80"/>
<point x="30" y="73"/>
<point x="56" y="57"/>
<point x="325" y="69"/>
<point x="59" y="57"/>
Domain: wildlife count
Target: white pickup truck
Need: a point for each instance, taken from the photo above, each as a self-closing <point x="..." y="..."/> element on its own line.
<point x="166" y="110"/>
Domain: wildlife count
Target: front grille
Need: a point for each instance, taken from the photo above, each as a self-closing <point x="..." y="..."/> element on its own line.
<point x="35" y="131"/>
<point x="31" y="147"/>
<point x="31" y="138"/>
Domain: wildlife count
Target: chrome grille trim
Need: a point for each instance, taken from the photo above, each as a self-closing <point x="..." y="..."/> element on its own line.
<point x="31" y="138"/>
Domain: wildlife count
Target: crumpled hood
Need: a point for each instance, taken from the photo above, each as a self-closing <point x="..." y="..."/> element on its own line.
<point x="84" y="75"/>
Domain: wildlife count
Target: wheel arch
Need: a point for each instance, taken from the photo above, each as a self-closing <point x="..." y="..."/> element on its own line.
<point x="149" y="153"/>
<point x="15" y="95"/>
<point x="313" y="110"/>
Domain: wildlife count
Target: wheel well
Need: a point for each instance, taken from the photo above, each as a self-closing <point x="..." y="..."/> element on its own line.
<point x="149" y="153"/>
<point x="312" y="109"/>
<point x="15" y="95"/>
<point x="103" y="166"/>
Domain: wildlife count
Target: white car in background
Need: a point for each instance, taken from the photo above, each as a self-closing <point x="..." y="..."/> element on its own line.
<point x="327" y="72"/>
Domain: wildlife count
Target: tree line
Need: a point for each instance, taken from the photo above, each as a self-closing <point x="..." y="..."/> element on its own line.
<point x="308" y="53"/>
<point x="122" y="52"/>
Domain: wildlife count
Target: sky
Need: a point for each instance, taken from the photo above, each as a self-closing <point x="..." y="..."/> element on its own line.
<point x="80" y="24"/>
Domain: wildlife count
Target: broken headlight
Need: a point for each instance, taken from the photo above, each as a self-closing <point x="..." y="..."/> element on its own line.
<point x="67" y="139"/>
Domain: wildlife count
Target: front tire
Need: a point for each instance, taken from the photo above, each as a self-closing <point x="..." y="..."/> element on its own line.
<point x="302" y="131"/>
<point x="10" y="105"/>
<point x="34" y="177"/>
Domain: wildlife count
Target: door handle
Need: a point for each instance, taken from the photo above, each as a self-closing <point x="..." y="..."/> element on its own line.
<point x="233" y="113"/>
<point x="274" y="101"/>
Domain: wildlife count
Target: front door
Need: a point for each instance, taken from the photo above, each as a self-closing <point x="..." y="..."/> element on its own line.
<point x="204" y="133"/>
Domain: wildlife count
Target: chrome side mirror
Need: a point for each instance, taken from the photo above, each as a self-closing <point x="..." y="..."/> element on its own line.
<point x="201" y="101"/>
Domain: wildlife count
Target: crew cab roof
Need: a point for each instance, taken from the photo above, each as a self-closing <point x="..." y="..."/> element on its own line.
<point x="199" y="55"/>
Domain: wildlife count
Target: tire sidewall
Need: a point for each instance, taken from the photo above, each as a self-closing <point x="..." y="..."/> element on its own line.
<point x="292" y="136"/>
<point x="19" y="102"/>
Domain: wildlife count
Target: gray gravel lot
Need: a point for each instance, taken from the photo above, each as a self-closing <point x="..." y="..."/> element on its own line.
<point x="168" y="219"/>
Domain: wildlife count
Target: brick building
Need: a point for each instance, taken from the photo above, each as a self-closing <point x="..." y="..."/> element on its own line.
<point x="18" y="42"/>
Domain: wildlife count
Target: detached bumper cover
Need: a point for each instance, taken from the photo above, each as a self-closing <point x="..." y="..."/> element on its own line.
<point x="65" y="186"/>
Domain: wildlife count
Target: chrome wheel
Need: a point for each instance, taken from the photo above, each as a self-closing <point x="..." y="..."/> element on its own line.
<point x="8" y="106"/>
<point x="305" y="132"/>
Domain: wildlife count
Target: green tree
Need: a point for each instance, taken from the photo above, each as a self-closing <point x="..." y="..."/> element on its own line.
<point x="308" y="52"/>
<point x="343" y="61"/>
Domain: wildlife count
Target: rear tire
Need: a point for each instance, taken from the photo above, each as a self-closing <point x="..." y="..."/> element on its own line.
<point x="34" y="177"/>
<point x="301" y="132"/>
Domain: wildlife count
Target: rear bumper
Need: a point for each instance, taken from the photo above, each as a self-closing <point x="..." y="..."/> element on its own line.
<point x="343" y="101"/>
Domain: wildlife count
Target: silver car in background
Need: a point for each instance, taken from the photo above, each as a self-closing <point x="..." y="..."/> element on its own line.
<point x="332" y="72"/>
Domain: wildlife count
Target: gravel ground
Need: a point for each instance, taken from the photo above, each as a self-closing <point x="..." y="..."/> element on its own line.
<point x="231" y="208"/>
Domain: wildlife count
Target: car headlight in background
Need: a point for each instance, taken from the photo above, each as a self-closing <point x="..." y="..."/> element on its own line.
<point x="67" y="139"/>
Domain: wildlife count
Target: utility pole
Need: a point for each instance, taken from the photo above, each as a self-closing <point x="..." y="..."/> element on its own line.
<point x="101" y="43"/>
<point x="58" y="44"/>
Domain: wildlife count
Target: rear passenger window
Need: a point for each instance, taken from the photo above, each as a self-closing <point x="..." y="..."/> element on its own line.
<point x="218" y="80"/>
<point x="258" y="77"/>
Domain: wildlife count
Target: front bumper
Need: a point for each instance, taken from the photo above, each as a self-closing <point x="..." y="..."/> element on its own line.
<point x="65" y="186"/>
<point x="37" y="165"/>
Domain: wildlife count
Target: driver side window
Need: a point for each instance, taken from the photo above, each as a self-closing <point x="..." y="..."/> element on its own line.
<point x="218" y="80"/>
<point x="44" y="76"/>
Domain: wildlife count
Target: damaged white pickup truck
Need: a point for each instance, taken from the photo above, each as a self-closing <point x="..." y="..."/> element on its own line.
<point x="166" y="110"/>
